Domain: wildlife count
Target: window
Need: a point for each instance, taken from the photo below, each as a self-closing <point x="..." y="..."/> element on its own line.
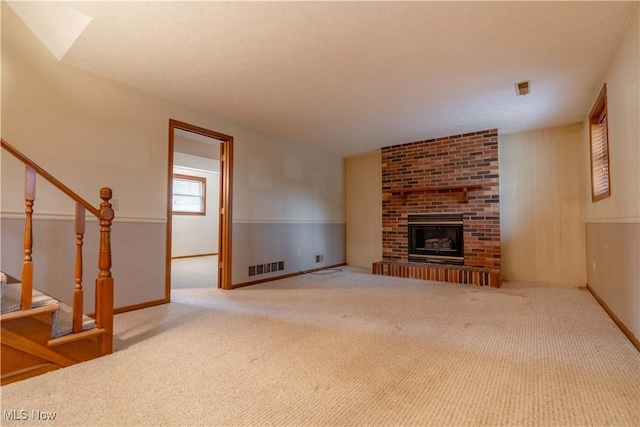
<point x="189" y="195"/>
<point x="599" y="136"/>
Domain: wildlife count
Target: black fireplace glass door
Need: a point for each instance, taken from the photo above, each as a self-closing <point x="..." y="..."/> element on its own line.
<point x="436" y="240"/>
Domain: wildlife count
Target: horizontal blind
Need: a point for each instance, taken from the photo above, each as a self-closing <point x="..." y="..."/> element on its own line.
<point x="599" y="139"/>
<point x="188" y="195"/>
<point x="599" y="156"/>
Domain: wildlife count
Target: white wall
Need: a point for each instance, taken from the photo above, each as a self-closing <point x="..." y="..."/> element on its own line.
<point x="542" y="206"/>
<point x="276" y="181"/>
<point x="90" y="132"/>
<point x="623" y="97"/>
<point x="613" y="224"/>
<point x="197" y="234"/>
<point x="204" y="147"/>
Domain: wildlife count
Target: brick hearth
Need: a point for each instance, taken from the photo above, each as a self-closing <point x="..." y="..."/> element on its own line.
<point x="413" y="176"/>
<point x="439" y="272"/>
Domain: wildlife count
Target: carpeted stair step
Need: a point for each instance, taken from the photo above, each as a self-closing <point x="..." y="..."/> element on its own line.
<point x="12" y="298"/>
<point x="62" y="323"/>
<point x="62" y="320"/>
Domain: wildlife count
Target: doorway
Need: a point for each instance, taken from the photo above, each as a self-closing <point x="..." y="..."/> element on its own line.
<point x="186" y="135"/>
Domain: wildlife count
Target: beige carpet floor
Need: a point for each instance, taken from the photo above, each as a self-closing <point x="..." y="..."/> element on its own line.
<point x="195" y="272"/>
<point x="351" y="348"/>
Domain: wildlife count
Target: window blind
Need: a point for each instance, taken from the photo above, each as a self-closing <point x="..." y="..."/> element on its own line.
<point x="599" y="138"/>
<point x="188" y="195"/>
<point x="600" y="157"/>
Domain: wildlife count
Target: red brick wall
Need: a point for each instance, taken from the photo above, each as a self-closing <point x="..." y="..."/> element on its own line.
<point x="471" y="158"/>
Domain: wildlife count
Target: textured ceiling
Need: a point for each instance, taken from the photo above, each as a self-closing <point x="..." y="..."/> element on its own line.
<point x="353" y="76"/>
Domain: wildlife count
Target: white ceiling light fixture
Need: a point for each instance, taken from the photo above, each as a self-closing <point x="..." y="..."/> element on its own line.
<point x="523" y="87"/>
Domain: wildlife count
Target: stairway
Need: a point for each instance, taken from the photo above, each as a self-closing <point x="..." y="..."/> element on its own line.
<point x="41" y="339"/>
<point x="39" y="332"/>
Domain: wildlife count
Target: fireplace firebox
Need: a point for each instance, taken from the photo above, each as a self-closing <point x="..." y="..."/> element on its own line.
<point x="436" y="238"/>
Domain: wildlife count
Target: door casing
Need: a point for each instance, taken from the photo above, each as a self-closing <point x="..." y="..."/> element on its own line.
<point x="224" y="224"/>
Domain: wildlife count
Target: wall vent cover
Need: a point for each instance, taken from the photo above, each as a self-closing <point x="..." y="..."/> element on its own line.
<point x="523" y="88"/>
<point x="269" y="267"/>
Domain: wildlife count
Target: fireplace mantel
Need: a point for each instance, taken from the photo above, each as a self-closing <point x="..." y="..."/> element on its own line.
<point x="403" y="192"/>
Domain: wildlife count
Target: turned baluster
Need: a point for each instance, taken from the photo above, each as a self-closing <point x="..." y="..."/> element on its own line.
<point x="27" y="264"/>
<point x="78" y="293"/>
<point x="104" y="282"/>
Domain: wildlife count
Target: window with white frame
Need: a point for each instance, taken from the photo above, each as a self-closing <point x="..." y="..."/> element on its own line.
<point x="189" y="195"/>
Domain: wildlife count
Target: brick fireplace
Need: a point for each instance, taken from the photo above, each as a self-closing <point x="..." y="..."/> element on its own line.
<point x="455" y="175"/>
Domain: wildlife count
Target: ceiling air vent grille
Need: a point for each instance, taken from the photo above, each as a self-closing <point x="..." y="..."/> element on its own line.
<point x="523" y="88"/>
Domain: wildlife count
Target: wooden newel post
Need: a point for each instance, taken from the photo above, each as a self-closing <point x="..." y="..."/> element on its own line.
<point x="104" y="282"/>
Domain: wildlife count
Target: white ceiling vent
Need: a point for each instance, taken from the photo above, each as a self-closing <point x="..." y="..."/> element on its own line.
<point x="523" y="88"/>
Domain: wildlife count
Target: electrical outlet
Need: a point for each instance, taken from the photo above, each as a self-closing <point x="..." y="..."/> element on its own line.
<point x="115" y="204"/>
<point x="594" y="265"/>
<point x="299" y="252"/>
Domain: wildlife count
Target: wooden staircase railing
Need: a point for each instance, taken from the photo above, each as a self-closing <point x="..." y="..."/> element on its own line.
<point x="104" y="281"/>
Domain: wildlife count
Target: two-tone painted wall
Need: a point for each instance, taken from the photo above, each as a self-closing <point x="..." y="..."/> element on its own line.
<point x="91" y="132"/>
<point x="613" y="224"/>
